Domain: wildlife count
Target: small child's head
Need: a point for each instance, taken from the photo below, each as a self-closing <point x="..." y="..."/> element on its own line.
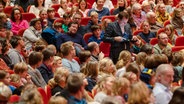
<point x="3" y="17"/>
<point x="51" y="13"/>
<point x="96" y="31"/>
<point x="94" y="17"/>
<point x="74" y="9"/>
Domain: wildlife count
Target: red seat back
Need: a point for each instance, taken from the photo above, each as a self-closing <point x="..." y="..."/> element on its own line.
<point x="28" y="16"/>
<point x="43" y="94"/>
<point x="21" y="32"/>
<point x="179" y="41"/>
<point x="105" y="48"/>
<point x="85" y="20"/>
<point x="112" y="18"/>
<point x="177" y="48"/>
<point x="56" y="6"/>
<point x="87" y="36"/>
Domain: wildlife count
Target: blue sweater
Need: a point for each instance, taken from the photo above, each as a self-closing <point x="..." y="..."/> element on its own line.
<point x="147" y="37"/>
<point x="103" y="12"/>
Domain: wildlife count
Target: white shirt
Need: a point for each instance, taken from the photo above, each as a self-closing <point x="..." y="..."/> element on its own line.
<point x="108" y="4"/>
<point x="162" y="94"/>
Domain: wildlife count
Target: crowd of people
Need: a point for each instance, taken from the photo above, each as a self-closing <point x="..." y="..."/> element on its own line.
<point x="53" y="54"/>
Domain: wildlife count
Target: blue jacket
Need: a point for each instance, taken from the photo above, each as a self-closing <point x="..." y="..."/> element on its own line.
<point x="103" y="12"/>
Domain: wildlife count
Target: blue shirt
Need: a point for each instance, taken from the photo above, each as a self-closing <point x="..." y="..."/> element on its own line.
<point x="147" y="37"/>
<point x="73" y="100"/>
<point x="103" y="12"/>
<point x="73" y="65"/>
<point x="93" y="38"/>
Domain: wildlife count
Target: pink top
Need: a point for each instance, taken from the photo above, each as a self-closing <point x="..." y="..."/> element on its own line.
<point x="15" y="27"/>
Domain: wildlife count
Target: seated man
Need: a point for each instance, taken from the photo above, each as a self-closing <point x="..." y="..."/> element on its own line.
<point x="97" y="34"/>
<point x="162" y="44"/>
<point x="72" y="35"/>
<point x="146" y="35"/>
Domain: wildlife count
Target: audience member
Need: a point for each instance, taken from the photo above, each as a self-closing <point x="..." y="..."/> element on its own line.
<point x="83" y="7"/>
<point x="84" y="57"/>
<point x="35" y="9"/>
<point x="170" y="31"/>
<point x="5" y="93"/>
<point x="17" y="21"/>
<point x="63" y="8"/>
<point x="107" y="3"/>
<point x="51" y="16"/>
<point x="162" y="43"/>
<point x="121" y="6"/>
<point x="97" y="34"/>
<point x="177" y="96"/>
<point x="164" y="78"/>
<point x="66" y="21"/>
<point x="35" y="60"/>
<point x="68" y="51"/>
<point x="5" y="21"/>
<point x="94" y="21"/>
<point x="46" y="66"/>
<point x="102" y="11"/>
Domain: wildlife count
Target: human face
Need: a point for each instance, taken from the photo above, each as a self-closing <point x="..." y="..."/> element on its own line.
<point x="168" y="31"/>
<point x="137" y="11"/>
<point x="167" y="78"/>
<point x="146" y="28"/>
<point x="59" y="63"/>
<point x="77" y="18"/>
<point x="21" y="43"/>
<point x="73" y="52"/>
<point x="163" y="39"/>
<point x="17" y="14"/>
<point x="40" y="2"/>
<point x="24" y="74"/>
<point x="152" y="19"/>
<point x="162" y="8"/>
<point x="64" y="4"/>
<point x="82" y="5"/>
<point x="1" y="8"/>
<point x="38" y="25"/>
<point x="66" y="21"/>
<point x="7" y="79"/>
<point x="73" y="28"/>
<point x="97" y="33"/>
<point x="95" y="19"/>
<point x="147" y="8"/>
<point x="133" y="2"/>
<point x="100" y="3"/>
<point x="51" y="14"/>
<point x="170" y="2"/>
<point x="43" y="15"/>
<point x="111" y="67"/>
<point x="181" y="6"/>
<point x="121" y="3"/>
<point x="108" y="84"/>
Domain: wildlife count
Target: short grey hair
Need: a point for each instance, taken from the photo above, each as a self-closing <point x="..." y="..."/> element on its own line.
<point x="161" y="69"/>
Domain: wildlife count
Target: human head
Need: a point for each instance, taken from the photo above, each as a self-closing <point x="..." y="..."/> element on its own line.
<point x="91" y="69"/>
<point x="36" y="23"/>
<point x="94" y="17"/>
<point x="60" y="76"/>
<point x="67" y="48"/>
<point x="77" y="17"/>
<point x="52" y="47"/>
<point x="178" y="96"/>
<point x="58" y="27"/>
<point x="5" y="93"/>
<point x="147" y="48"/>
<point x="57" y="100"/>
<point x="93" y="47"/>
<point x="96" y="31"/>
<point x="151" y="17"/>
<point x="73" y="27"/>
<point x="123" y="16"/>
<point x="3" y="17"/>
<point x="140" y="58"/>
<point x="84" y="56"/>
<point x="83" y="4"/>
<point x="57" y="61"/>
<point x="51" y="13"/>
<point x="124" y="59"/>
<point x="100" y="3"/>
<point x="146" y="6"/>
<point x="169" y="30"/>
<point x="35" y="58"/>
<point x="145" y="27"/>
<point x="163" y="39"/>
<point x="16" y="14"/>
<point x="121" y="86"/>
<point x="105" y="23"/>
<point x="75" y="84"/>
<point x="66" y="18"/>
<point x="177" y="58"/>
<point x="21" y="69"/>
<point x="17" y="41"/>
<point x="43" y="14"/>
<point x="136" y="9"/>
<point x="161" y="8"/>
<point x="38" y="2"/>
<point x="4" y="77"/>
<point x="181" y="5"/>
<point x="141" y="96"/>
<point x="48" y="55"/>
<point x="177" y="13"/>
<point x="4" y="46"/>
<point x="133" y="67"/>
<point x="164" y="74"/>
<point x="63" y="4"/>
<point x="107" y="66"/>
<point x="122" y="3"/>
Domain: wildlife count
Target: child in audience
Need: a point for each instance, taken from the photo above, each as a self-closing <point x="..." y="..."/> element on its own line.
<point x="97" y="34"/>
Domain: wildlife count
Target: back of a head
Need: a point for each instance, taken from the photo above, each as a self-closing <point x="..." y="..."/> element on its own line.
<point x="123" y="14"/>
<point x="5" y="93"/>
<point x="57" y="100"/>
<point x="74" y="83"/>
<point x="178" y="96"/>
<point x="47" y="53"/>
<point x="92" y="46"/>
<point x="111" y="100"/>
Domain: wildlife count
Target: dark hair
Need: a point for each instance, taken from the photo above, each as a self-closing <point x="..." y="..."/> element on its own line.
<point x="13" y="13"/>
<point x="147" y="48"/>
<point x="50" y="10"/>
<point x="2" y="74"/>
<point x="66" y="15"/>
<point x="4" y="45"/>
<point x="33" y="21"/>
<point x="85" y="2"/>
<point x="94" y="28"/>
<point x="47" y="53"/>
<point x="14" y="41"/>
<point x="35" y="57"/>
<point x="36" y="3"/>
<point x="133" y="67"/>
<point x="74" y="82"/>
<point x="70" y="24"/>
<point x="178" y="96"/>
<point x="92" y="46"/>
<point x="123" y="14"/>
<point x="84" y="55"/>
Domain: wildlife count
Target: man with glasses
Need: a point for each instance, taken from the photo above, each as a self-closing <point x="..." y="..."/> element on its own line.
<point x="162" y="44"/>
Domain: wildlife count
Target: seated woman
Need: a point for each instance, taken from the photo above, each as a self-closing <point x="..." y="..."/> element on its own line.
<point x="107" y="3"/>
<point x="35" y="9"/>
<point x="177" y="20"/>
<point x="33" y="33"/>
<point x="83" y="7"/>
<point x="64" y="8"/>
<point x="161" y="14"/>
<point x="146" y="34"/>
<point x="169" y="30"/>
<point x="17" y="21"/>
<point x="97" y="34"/>
<point x="122" y="4"/>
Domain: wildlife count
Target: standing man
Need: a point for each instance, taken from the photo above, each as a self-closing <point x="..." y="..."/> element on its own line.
<point x="119" y="34"/>
<point x="164" y="78"/>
